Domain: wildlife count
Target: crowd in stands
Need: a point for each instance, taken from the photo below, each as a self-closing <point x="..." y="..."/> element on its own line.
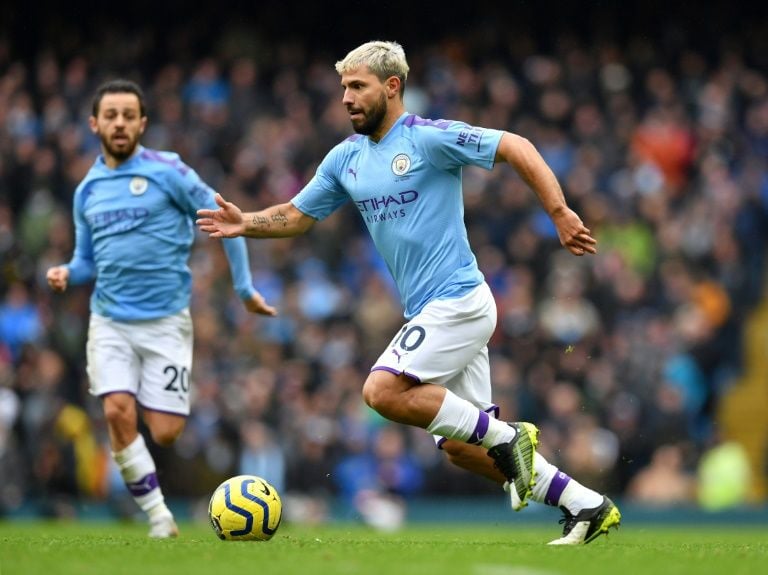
<point x="620" y="358"/>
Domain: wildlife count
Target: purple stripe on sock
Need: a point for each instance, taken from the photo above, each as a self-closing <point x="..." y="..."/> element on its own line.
<point x="556" y="487"/>
<point x="480" y="429"/>
<point x="144" y="485"/>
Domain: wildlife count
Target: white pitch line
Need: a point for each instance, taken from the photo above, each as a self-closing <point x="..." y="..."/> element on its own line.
<point x="501" y="569"/>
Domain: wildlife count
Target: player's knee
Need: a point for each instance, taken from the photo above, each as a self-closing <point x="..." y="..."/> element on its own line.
<point x="165" y="437"/>
<point x="165" y="428"/>
<point x="377" y="396"/>
<point x="119" y="413"/>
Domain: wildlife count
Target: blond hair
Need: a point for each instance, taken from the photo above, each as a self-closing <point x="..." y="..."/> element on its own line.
<point x="384" y="59"/>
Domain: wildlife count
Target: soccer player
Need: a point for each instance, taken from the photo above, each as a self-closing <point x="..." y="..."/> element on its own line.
<point x="403" y="173"/>
<point x="134" y="214"/>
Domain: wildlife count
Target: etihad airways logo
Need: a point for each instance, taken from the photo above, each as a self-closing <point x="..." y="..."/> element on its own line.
<point x="385" y="202"/>
<point x="383" y="208"/>
<point x="115" y="221"/>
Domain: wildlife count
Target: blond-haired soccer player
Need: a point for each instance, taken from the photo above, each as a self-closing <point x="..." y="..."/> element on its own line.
<point x="403" y="174"/>
<point x="134" y="213"/>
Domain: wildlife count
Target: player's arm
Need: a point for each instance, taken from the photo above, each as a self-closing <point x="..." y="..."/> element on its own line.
<point x="229" y="221"/>
<point x="528" y="163"/>
<point x="82" y="267"/>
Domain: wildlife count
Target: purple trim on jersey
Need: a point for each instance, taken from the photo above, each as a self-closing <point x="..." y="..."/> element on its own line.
<point x="414" y="120"/>
<point x="481" y="428"/>
<point x="353" y="138"/>
<point x="144" y="485"/>
<point x="394" y="371"/>
<point x="156" y="156"/>
<point x="556" y="487"/>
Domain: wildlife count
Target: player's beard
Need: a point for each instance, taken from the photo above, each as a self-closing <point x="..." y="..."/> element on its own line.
<point x="373" y="118"/>
<point x="119" y="151"/>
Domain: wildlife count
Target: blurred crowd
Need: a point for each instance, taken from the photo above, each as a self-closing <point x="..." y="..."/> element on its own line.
<point x="621" y="358"/>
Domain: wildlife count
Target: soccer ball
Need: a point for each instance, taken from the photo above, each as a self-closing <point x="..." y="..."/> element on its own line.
<point x="245" y="508"/>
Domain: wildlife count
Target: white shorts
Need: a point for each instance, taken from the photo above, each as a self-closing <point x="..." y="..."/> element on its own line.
<point x="446" y="344"/>
<point x="151" y="360"/>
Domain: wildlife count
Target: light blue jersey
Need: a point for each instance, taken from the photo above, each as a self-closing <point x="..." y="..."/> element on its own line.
<point x="408" y="190"/>
<point x="134" y="227"/>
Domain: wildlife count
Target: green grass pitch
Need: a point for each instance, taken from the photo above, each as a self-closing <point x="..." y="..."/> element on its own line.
<point x="83" y="548"/>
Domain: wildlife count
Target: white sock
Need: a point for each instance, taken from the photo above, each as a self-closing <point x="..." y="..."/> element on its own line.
<point x="459" y="419"/>
<point x="498" y="432"/>
<point x="555" y="488"/>
<point x="140" y="475"/>
<point x="576" y="497"/>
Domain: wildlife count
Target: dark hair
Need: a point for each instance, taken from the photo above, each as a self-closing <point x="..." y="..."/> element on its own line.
<point x="119" y="86"/>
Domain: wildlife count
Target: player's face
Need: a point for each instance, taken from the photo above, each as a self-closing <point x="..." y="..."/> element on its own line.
<point x="119" y="124"/>
<point x="365" y="99"/>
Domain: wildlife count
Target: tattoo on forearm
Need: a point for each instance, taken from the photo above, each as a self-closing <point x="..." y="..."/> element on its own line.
<point x="266" y="222"/>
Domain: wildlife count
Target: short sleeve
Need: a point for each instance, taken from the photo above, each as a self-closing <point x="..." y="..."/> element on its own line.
<point x="323" y="194"/>
<point x="449" y="145"/>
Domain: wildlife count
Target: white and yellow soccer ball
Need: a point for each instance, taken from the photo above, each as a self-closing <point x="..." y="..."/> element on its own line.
<point x="245" y="508"/>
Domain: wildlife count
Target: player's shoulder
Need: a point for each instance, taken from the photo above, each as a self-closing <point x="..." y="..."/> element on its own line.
<point x="428" y="132"/>
<point x="416" y="123"/>
<point x="352" y="142"/>
<point x="346" y="149"/>
<point x="98" y="170"/>
<point x="162" y="161"/>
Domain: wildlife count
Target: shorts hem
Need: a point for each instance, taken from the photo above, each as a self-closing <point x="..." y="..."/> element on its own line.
<point x="395" y="371"/>
<point x="104" y="394"/>
<point x="166" y="411"/>
<point x="143" y="406"/>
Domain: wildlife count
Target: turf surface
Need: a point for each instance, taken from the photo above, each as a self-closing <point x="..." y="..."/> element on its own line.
<point x="72" y="548"/>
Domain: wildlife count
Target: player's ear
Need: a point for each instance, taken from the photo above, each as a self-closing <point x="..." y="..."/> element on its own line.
<point x="92" y="124"/>
<point x="393" y="86"/>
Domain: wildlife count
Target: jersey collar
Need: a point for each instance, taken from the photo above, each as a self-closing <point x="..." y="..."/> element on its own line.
<point x="397" y="123"/>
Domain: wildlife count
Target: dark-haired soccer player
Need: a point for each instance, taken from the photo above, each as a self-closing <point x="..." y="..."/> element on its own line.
<point x="404" y="175"/>
<point x="133" y="214"/>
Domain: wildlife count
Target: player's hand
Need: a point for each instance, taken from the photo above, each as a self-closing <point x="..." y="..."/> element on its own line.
<point x="226" y="222"/>
<point x="257" y="304"/>
<point x="573" y="234"/>
<point x="58" y="277"/>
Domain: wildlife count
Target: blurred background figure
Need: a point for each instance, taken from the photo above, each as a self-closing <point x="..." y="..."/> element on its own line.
<point x="378" y="477"/>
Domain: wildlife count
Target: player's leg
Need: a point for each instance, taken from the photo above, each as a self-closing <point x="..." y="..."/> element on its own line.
<point x="137" y="468"/>
<point x="406" y="383"/>
<point x="165" y="346"/>
<point x="165" y="428"/>
<point x="551" y="485"/>
<point x="587" y="513"/>
<point x="114" y="374"/>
